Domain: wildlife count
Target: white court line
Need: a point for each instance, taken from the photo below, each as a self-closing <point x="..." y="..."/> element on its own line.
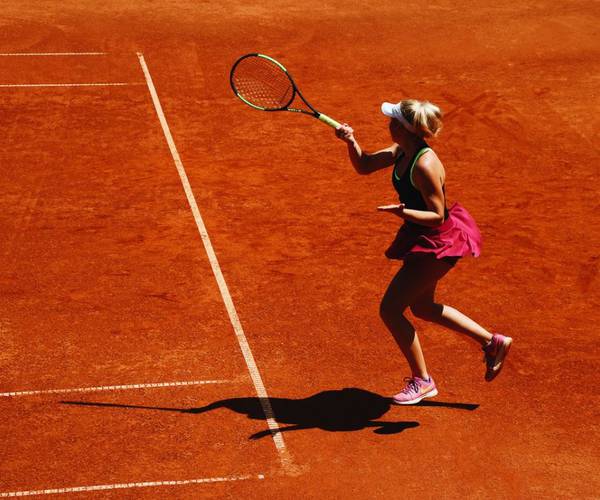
<point x="216" y="268"/>
<point x="112" y="388"/>
<point x="101" y="84"/>
<point x="37" y="54"/>
<point x="122" y="486"/>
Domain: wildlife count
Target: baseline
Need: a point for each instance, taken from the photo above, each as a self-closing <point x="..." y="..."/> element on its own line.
<point x="46" y="54"/>
<point x="112" y="388"/>
<point x="121" y="486"/>
<point x="100" y="84"/>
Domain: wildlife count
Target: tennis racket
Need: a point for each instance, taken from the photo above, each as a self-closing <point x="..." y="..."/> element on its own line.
<point x="263" y="83"/>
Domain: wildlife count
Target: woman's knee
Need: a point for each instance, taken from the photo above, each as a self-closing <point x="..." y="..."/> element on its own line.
<point x="429" y="311"/>
<point x="390" y="307"/>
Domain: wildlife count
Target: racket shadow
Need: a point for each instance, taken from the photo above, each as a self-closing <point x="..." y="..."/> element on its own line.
<point x="345" y="410"/>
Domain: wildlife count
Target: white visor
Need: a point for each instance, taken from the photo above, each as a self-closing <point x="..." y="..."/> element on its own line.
<point x="394" y="111"/>
<point x="391" y="110"/>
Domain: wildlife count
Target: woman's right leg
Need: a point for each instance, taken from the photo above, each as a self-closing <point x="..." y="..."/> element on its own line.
<point x="496" y="347"/>
<point x="426" y="308"/>
<point x="459" y="322"/>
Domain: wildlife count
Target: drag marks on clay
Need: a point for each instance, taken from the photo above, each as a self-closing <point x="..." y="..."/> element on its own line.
<point x="491" y="109"/>
<point x="22" y="35"/>
<point x="580" y="122"/>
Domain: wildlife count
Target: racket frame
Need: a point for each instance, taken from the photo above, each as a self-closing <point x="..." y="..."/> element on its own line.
<point x="295" y="91"/>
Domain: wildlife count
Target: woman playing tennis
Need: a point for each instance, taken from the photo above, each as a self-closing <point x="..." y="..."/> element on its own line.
<point x="430" y="242"/>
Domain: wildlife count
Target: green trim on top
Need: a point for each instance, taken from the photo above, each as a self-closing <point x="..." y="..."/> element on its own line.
<point x="273" y="60"/>
<point x="395" y="173"/>
<point x="417" y="156"/>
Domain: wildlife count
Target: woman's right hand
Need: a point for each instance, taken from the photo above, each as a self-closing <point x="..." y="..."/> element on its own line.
<point x="345" y="132"/>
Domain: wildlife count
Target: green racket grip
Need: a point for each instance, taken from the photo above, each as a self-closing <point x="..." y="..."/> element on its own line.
<point x="329" y="121"/>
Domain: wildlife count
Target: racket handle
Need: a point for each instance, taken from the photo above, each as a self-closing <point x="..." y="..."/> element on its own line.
<point x="329" y="121"/>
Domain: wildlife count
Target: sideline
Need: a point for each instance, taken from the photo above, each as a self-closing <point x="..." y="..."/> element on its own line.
<point x="216" y="268"/>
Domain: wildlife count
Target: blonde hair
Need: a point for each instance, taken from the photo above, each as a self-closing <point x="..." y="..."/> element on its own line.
<point x="424" y="116"/>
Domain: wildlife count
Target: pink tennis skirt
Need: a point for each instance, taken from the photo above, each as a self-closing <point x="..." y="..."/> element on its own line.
<point x="458" y="236"/>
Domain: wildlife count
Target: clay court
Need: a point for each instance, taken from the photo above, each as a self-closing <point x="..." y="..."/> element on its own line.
<point x="189" y="288"/>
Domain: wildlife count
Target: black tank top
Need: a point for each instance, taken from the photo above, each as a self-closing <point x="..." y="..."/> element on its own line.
<point x="408" y="193"/>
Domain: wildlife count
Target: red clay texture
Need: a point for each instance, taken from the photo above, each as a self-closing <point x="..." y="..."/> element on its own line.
<point x="104" y="279"/>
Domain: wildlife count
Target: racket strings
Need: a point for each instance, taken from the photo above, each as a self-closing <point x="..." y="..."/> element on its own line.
<point x="263" y="83"/>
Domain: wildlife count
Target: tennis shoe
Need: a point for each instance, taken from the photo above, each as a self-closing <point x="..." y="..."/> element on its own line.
<point x="495" y="354"/>
<point x="416" y="389"/>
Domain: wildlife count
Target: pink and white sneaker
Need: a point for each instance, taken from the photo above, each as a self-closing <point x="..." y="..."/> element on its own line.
<point x="494" y="355"/>
<point x="416" y="389"/>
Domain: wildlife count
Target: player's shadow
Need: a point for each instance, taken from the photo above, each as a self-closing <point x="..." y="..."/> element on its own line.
<point x="348" y="409"/>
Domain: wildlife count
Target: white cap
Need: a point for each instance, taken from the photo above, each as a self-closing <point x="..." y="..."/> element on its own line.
<point x="395" y="111"/>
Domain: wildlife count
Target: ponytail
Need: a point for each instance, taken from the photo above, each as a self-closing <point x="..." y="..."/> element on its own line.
<point x="424" y="116"/>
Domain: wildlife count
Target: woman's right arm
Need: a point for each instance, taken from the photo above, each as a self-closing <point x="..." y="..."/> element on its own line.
<point x="365" y="163"/>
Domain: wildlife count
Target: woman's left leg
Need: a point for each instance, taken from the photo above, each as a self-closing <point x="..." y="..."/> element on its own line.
<point x="417" y="276"/>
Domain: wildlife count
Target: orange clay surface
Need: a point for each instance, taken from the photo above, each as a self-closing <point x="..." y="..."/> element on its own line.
<point x="104" y="280"/>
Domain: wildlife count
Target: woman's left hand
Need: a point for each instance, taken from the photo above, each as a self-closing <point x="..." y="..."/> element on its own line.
<point x="397" y="209"/>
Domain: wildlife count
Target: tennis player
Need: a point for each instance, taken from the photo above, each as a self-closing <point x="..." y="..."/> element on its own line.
<point x="430" y="242"/>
